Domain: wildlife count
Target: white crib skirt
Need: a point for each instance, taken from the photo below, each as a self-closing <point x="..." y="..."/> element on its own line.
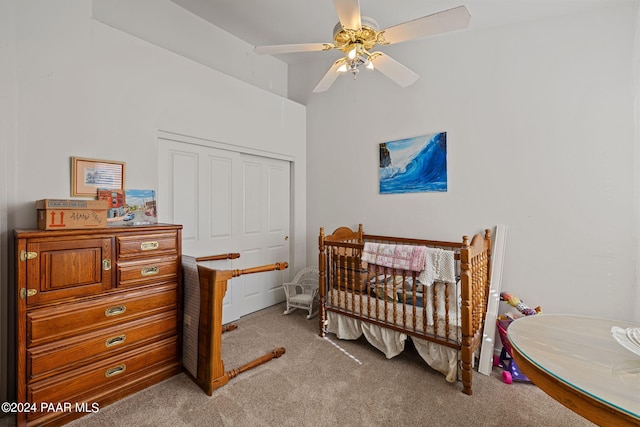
<point x="441" y="358"/>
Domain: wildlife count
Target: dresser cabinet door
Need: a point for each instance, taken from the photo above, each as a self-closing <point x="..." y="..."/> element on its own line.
<point x="59" y="269"/>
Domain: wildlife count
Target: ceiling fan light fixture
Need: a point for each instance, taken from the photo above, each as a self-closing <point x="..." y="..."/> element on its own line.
<point x="356" y="57"/>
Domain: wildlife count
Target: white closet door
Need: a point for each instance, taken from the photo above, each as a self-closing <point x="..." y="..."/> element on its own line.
<point x="229" y="202"/>
<point x="263" y="234"/>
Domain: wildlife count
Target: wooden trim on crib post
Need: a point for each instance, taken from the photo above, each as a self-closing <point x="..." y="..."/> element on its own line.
<point x="466" y="310"/>
<point x="322" y="283"/>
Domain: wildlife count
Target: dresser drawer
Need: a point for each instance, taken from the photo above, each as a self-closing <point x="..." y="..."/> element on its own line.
<point x="54" y="323"/>
<point x="101" y="377"/>
<point x="49" y="359"/>
<point x="146" y="245"/>
<point x="147" y="271"/>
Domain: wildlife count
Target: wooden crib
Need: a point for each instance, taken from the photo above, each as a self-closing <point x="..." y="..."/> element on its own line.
<point x="442" y="312"/>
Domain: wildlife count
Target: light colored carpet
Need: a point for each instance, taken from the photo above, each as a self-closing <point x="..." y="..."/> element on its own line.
<point x="327" y="382"/>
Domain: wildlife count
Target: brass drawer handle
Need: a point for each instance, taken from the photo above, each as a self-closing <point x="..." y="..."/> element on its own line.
<point x="150" y="271"/>
<point x="115" y="340"/>
<point x="106" y="264"/>
<point x="115" y="370"/>
<point x="149" y="246"/>
<point x="114" y="311"/>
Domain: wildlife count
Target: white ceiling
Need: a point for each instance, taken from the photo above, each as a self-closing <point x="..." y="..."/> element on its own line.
<point x="269" y="22"/>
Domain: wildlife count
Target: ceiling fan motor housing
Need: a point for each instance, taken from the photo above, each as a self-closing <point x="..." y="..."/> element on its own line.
<point x="367" y="36"/>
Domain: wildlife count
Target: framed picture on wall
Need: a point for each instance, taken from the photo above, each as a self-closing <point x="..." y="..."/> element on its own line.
<point x="413" y="165"/>
<point x="87" y="175"/>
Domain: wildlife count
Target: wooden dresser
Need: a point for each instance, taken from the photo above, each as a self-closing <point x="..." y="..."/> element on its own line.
<point x="97" y="317"/>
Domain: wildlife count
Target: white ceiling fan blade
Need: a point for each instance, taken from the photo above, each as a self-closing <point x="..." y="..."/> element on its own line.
<point x="393" y="69"/>
<point x="348" y="13"/>
<point x="441" y="22"/>
<point x="329" y="77"/>
<point x="292" y="48"/>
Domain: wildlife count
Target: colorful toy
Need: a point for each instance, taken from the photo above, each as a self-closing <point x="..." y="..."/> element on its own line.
<point x="520" y="305"/>
<point x="510" y="371"/>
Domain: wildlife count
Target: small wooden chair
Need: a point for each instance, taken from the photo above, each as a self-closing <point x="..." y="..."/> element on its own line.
<point x="302" y="292"/>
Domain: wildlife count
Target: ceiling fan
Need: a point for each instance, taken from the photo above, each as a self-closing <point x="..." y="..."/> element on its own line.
<point x="356" y="35"/>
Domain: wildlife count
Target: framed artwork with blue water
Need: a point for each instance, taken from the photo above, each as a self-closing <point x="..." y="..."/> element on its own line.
<point x="414" y="165"/>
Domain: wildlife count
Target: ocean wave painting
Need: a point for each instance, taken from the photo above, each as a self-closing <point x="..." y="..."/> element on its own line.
<point x="413" y="165"/>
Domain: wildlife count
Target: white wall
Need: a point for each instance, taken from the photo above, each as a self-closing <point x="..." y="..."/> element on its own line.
<point x="541" y="137"/>
<point x="83" y="88"/>
<point x="174" y="28"/>
<point x="7" y="155"/>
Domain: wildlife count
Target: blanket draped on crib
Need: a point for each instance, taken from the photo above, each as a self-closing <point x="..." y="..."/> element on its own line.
<point x="432" y="264"/>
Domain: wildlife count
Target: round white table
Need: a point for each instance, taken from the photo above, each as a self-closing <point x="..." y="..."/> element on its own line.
<point x="576" y="360"/>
